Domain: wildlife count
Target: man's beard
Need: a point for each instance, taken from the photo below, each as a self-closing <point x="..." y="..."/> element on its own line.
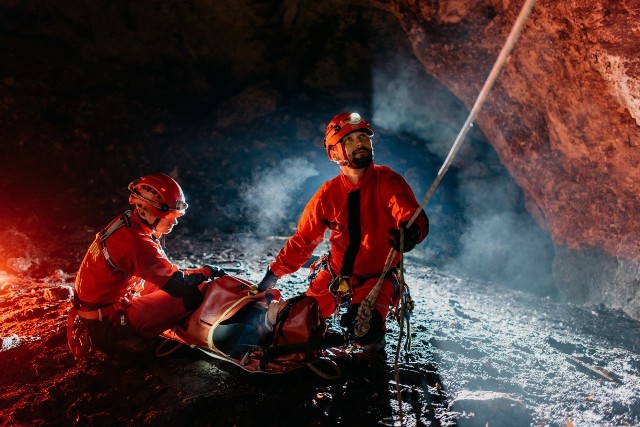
<point x="362" y="161"/>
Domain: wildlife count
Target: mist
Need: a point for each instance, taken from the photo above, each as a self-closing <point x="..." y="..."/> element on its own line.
<point x="494" y="238"/>
<point x="271" y="200"/>
<point x="500" y="242"/>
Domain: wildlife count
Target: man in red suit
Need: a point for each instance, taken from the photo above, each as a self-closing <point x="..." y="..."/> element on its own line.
<point x="363" y="207"/>
<point x="127" y="291"/>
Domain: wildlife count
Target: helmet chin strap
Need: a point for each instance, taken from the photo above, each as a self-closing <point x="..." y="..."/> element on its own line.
<point x="347" y="160"/>
<point x="144" y="219"/>
<point x="155" y="234"/>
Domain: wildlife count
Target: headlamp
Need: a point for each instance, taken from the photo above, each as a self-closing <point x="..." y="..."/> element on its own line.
<point x="353" y="119"/>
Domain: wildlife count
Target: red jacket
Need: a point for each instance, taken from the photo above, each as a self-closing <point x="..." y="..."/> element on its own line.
<point x="386" y="200"/>
<point x="137" y="255"/>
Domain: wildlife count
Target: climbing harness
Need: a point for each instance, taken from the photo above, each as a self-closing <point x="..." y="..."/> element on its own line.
<point x="341" y="286"/>
<point x="123" y="220"/>
<point x="78" y="338"/>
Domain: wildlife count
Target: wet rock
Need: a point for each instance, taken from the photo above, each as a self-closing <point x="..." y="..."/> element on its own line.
<point x="593" y="277"/>
<point x="58" y="294"/>
<point x="27" y="314"/>
<point x="10" y="342"/>
<point x="6" y="287"/>
<point x="493" y="409"/>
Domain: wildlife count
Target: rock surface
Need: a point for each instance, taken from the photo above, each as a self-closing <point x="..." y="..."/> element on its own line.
<point x="563" y="116"/>
<point x="496" y="409"/>
<point x="478" y="355"/>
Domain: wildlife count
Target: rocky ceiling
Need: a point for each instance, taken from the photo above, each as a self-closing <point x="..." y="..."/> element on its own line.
<point x="563" y="116"/>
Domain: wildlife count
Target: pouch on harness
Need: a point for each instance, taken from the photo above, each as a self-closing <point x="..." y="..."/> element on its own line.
<point x="298" y="332"/>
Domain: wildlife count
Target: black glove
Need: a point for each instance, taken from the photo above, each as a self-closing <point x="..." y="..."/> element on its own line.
<point x="268" y="281"/>
<point x="411" y="236"/>
<point x="192" y="297"/>
<point x="215" y="271"/>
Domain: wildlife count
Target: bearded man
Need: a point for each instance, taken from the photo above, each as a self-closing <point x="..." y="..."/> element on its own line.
<point x="363" y="207"/>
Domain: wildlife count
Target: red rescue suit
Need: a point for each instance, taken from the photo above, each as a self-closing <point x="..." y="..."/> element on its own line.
<point x="112" y="273"/>
<point x="380" y="200"/>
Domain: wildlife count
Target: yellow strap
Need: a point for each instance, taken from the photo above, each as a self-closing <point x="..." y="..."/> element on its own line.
<point x="222" y="318"/>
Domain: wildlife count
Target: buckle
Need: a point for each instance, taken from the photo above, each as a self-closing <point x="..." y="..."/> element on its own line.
<point x="340" y="286"/>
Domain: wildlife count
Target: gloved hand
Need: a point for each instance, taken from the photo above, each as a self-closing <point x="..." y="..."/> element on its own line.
<point x="192" y="297"/>
<point x="268" y="281"/>
<point x="411" y="236"/>
<point x="215" y="271"/>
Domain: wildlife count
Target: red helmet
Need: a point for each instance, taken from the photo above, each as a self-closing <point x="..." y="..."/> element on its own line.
<point x="158" y="194"/>
<point x="341" y="125"/>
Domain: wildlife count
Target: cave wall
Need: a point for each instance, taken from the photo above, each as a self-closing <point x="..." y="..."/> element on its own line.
<point x="563" y="115"/>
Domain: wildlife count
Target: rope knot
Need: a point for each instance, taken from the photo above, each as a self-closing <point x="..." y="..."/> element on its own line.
<point x="364" y="316"/>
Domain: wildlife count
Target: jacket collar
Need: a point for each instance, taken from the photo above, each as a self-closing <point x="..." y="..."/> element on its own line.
<point x="365" y="178"/>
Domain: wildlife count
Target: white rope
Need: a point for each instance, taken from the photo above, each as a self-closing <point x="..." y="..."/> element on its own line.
<point x="403" y="307"/>
<point x="364" y="311"/>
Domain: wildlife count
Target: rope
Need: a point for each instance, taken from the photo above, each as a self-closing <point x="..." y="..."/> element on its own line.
<point x="159" y="353"/>
<point x="337" y="372"/>
<point x="396" y="372"/>
<point x="364" y="311"/>
<point x="362" y="325"/>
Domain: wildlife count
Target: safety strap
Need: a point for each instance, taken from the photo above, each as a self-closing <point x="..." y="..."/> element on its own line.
<point x="98" y="314"/>
<point x="355" y="234"/>
<point x="282" y="316"/>
<point x="341" y="286"/>
<point x="123" y="220"/>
